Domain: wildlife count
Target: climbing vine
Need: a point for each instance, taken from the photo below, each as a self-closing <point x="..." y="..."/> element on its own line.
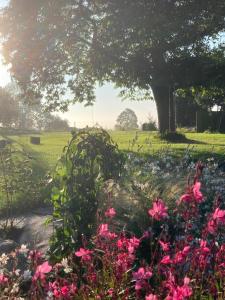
<point x="90" y="159"/>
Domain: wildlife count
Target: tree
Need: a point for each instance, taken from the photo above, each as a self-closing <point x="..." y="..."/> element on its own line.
<point x="59" y="47"/>
<point x="55" y="123"/>
<point x="127" y="120"/>
<point x="9" y="109"/>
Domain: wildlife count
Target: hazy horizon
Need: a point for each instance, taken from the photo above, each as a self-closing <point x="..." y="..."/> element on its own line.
<point x="105" y="110"/>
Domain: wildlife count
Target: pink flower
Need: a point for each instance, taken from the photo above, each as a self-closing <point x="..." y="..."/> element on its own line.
<point x="196" y="192"/>
<point x="219" y="216"/>
<point x="204" y="249"/>
<point x="212" y="226"/>
<point x="165" y="246"/>
<point x="111" y="235"/>
<point x="105" y="233"/>
<point x="193" y="194"/>
<point x="42" y="270"/>
<point x="186" y="250"/>
<point x="140" y="276"/>
<point x="186" y="290"/>
<point x="124" y="262"/>
<point x="159" y="210"/>
<point x="179" y="292"/>
<point x="179" y="257"/>
<point x="65" y="291"/>
<point x="103" y="230"/>
<point x="110" y="291"/>
<point x="185" y="198"/>
<point x="85" y="254"/>
<point x="151" y="297"/>
<point x="166" y="260"/>
<point x="133" y="244"/>
<point x="110" y="213"/>
<point x="3" y="279"/>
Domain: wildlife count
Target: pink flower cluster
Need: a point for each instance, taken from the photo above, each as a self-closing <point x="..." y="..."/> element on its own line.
<point x="180" y="256"/>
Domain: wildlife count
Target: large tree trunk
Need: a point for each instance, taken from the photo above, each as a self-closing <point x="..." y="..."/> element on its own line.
<point x="165" y="108"/>
<point x="172" y="118"/>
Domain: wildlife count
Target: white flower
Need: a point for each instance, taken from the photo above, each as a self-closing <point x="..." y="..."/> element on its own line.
<point x="27" y="275"/>
<point x="23" y="249"/>
<point x="50" y="295"/>
<point x="3" y="259"/>
<point x="15" y="288"/>
<point x="64" y="263"/>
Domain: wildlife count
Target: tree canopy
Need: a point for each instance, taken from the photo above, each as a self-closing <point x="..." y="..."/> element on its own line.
<point x="58" y="50"/>
<point x="127" y="120"/>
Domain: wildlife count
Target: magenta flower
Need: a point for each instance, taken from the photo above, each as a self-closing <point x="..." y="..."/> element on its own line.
<point x="110" y="213"/>
<point x="85" y="254"/>
<point x="65" y="291"/>
<point x="159" y="210"/>
<point x="166" y="260"/>
<point x="165" y="246"/>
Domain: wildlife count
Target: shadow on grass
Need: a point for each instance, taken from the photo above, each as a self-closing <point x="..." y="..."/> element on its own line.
<point x="177" y="138"/>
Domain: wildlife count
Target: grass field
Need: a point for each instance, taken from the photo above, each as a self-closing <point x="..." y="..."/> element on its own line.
<point x="200" y="144"/>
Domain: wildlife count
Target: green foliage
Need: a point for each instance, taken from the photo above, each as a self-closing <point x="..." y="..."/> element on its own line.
<point x="55" y="123"/>
<point x="65" y="47"/>
<point x="89" y="159"/>
<point x="149" y="126"/>
<point x="18" y="191"/>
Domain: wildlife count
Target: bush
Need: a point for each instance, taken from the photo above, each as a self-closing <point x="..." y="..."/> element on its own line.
<point x="89" y="159"/>
<point x="150" y="126"/>
<point x="18" y="191"/>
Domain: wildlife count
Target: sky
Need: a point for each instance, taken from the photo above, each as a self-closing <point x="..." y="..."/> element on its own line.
<point x="106" y="108"/>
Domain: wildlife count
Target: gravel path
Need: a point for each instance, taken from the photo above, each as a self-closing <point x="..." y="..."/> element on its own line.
<point x="33" y="231"/>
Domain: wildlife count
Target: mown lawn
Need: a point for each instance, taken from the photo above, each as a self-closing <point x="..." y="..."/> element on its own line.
<point x="200" y="144"/>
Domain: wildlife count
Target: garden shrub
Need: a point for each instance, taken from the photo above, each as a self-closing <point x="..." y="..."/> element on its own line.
<point x="149" y="126"/>
<point x="18" y="191"/>
<point x="90" y="158"/>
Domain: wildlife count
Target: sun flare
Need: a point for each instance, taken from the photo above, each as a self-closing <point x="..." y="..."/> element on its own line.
<point x="4" y="74"/>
